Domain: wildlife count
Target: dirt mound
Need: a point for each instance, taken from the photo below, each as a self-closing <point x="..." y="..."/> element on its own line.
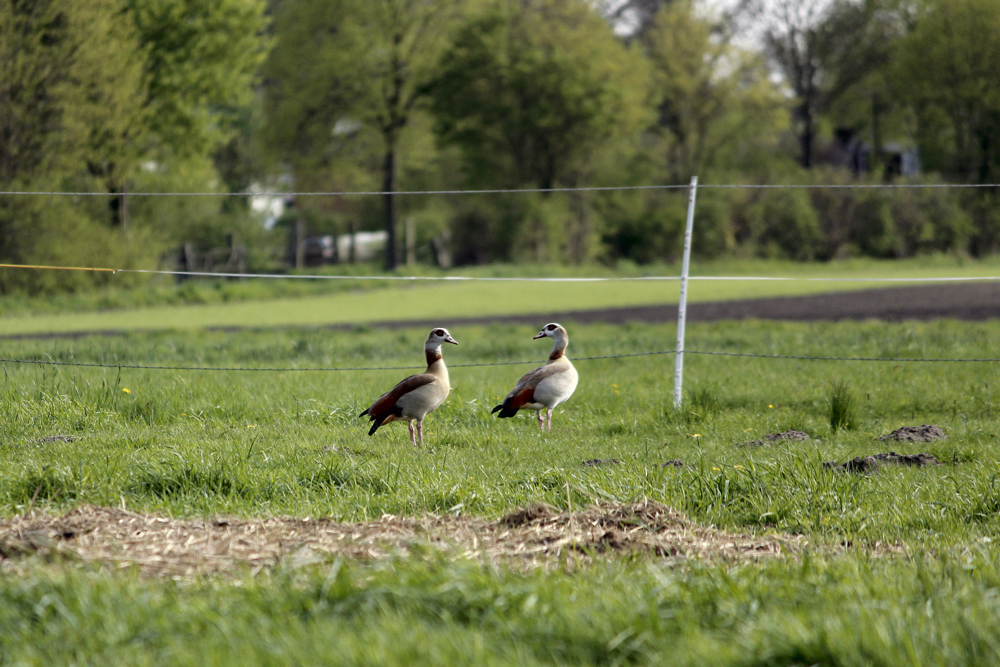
<point x="534" y="536"/>
<point x="772" y="438"/>
<point x="871" y="463"/>
<point x="56" y="438"/>
<point x="922" y="433"/>
<point x="596" y="463"/>
<point x="918" y="460"/>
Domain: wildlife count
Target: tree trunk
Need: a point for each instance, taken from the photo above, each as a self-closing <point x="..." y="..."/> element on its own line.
<point x="119" y="206"/>
<point x="389" y="188"/>
<point x="875" y="161"/>
<point x="808" y="132"/>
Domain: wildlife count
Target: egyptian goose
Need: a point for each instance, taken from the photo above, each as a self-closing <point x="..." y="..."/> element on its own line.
<point x="416" y="396"/>
<point x="547" y="386"/>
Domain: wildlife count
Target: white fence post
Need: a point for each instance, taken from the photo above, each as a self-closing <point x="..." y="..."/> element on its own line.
<point x="682" y="307"/>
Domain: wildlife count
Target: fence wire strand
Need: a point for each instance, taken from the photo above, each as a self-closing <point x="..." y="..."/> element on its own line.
<point x="608" y="188"/>
<point x="46" y="362"/>
<point x="507" y="279"/>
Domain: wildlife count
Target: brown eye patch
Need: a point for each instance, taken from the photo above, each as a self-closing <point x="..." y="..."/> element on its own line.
<point x="439" y="332"/>
<point x="551" y="327"/>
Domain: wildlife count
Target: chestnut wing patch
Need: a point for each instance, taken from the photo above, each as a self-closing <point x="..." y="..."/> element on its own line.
<point x="386" y="406"/>
<point x="524" y="390"/>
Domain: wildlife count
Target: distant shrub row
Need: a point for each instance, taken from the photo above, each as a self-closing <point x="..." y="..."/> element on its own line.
<point x="799" y="224"/>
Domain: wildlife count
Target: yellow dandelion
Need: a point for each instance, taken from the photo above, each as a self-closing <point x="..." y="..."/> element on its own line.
<point x="715" y="469"/>
<point x="251" y="426"/>
<point x="614" y="386"/>
<point x="184" y="414"/>
<point x="739" y="467"/>
<point x="770" y="406"/>
<point x="126" y="390"/>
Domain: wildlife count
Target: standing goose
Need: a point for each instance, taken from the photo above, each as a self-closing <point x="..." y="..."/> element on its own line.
<point x="547" y="386"/>
<point x="416" y="396"/>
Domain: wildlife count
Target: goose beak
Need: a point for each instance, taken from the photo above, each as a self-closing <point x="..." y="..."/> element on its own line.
<point x="451" y="340"/>
<point x="540" y="334"/>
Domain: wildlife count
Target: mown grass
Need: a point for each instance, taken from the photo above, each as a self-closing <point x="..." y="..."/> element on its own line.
<point x="289" y="443"/>
<point x="251" y="303"/>
<point x="814" y="611"/>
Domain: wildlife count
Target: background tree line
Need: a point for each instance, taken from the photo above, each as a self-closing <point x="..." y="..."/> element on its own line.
<point x="116" y="96"/>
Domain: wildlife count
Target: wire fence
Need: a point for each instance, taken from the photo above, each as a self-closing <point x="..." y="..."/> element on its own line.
<point x="296" y="369"/>
<point x="679" y="351"/>
<point x="516" y="279"/>
<point x="608" y="188"/>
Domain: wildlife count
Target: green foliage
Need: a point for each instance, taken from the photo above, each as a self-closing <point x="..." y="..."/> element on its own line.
<point x="843" y="406"/>
<point x="103" y="95"/>
<point x="531" y="91"/>
<point x="70" y="87"/>
<point x="949" y="69"/>
<point x="776" y="223"/>
<point x="55" y="232"/>
<point x="201" y="60"/>
<point x="708" y="93"/>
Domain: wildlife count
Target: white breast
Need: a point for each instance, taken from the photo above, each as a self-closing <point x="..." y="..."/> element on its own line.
<point x="422" y="400"/>
<point x="557" y="387"/>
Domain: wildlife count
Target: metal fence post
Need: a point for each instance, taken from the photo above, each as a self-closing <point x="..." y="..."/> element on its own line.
<point x="682" y="307"/>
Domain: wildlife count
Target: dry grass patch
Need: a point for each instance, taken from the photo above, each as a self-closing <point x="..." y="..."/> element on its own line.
<point x="534" y="536"/>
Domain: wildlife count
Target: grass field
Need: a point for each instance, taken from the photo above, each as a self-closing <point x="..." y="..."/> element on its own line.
<point x="897" y="567"/>
<point x="257" y="303"/>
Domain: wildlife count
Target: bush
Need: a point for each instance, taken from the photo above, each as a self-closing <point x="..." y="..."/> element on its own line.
<point x="776" y="223"/>
<point x="889" y="223"/>
<point x="54" y="231"/>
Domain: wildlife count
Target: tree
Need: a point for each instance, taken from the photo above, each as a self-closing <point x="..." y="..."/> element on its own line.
<point x="346" y="74"/>
<point x="949" y="71"/>
<point x="530" y="90"/>
<point x="710" y="94"/>
<point x="791" y="33"/>
<point x="201" y="63"/>
<point x="858" y="43"/>
<point x="69" y="81"/>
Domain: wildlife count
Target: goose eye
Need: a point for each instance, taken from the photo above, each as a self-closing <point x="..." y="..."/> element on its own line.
<point x="551" y="327"/>
<point x="439" y="332"/>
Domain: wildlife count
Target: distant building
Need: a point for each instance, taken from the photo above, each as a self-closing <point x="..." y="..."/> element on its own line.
<point x="849" y="152"/>
<point x="367" y="246"/>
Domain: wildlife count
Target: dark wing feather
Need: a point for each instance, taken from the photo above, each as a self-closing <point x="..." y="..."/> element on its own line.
<point x="524" y="391"/>
<point x="385" y="405"/>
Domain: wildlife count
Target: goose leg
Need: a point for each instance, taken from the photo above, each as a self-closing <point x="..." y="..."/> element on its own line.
<point x="412" y="439"/>
<point x="541" y="420"/>
<point x="420" y="431"/>
<point x="549" y="420"/>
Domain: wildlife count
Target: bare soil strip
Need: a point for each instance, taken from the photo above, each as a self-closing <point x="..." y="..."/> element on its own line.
<point x="531" y="537"/>
<point x="962" y="301"/>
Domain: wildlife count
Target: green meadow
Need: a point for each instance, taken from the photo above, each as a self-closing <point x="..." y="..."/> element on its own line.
<point x="899" y="567"/>
<point x="364" y="299"/>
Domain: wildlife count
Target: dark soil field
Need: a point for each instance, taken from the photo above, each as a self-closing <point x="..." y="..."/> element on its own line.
<point x="962" y="301"/>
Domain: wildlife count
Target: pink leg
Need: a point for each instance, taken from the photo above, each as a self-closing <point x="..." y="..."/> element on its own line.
<point x="550" y="420"/>
<point x="412" y="439"/>
<point x="541" y="420"/>
<point x="420" y="431"/>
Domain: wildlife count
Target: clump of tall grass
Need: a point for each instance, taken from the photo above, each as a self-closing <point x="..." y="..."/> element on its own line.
<point x="843" y="406"/>
<point x="698" y="406"/>
<point x="705" y="400"/>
